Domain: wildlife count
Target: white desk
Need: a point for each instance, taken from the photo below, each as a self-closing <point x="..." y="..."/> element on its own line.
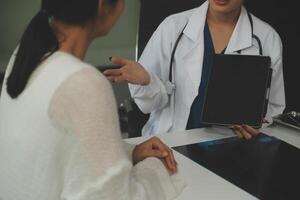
<point x="201" y="183"/>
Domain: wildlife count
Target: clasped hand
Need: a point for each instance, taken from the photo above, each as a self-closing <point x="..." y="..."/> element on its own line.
<point x="154" y="147"/>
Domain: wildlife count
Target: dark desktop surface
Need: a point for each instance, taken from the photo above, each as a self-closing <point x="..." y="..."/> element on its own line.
<point x="265" y="167"/>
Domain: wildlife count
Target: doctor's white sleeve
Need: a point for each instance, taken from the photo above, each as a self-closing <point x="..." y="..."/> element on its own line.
<point x="155" y="59"/>
<point x="277" y="92"/>
<point x="98" y="166"/>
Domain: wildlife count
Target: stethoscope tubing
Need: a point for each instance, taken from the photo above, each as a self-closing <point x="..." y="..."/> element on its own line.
<point x="182" y="32"/>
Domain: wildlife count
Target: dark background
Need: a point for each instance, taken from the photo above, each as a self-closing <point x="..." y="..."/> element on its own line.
<point x="282" y="15"/>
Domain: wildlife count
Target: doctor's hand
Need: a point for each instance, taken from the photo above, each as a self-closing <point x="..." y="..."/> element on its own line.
<point x="130" y="72"/>
<point x="154" y="147"/>
<point x="245" y="131"/>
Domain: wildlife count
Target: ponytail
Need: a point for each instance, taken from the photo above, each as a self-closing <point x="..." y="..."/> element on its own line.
<point x="37" y="41"/>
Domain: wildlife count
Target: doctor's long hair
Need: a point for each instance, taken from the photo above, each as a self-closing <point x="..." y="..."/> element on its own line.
<point x="39" y="40"/>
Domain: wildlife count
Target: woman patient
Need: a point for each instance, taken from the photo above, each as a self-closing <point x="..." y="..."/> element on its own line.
<point x="59" y="130"/>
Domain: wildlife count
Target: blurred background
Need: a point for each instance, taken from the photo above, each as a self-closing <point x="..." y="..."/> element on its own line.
<point x="140" y="19"/>
<point x="16" y="14"/>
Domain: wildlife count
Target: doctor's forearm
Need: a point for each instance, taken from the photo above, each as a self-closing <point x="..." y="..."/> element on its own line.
<point x="151" y="97"/>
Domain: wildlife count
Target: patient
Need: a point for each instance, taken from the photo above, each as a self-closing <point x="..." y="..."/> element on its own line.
<point x="59" y="130"/>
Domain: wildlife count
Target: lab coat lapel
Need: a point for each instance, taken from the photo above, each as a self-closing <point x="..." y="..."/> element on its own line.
<point x="191" y="49"/>
<point x="242" y="35"/>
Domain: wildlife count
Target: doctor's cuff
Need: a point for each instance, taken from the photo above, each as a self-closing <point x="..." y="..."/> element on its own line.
<point x="152" y="89"/>
<point x="157" y="84"/>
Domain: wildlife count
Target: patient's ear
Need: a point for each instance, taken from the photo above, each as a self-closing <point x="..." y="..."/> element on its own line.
<point x="104" y="8"/>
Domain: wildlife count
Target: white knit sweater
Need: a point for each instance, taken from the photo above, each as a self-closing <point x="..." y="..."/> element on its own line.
<point x="60" y="139"/>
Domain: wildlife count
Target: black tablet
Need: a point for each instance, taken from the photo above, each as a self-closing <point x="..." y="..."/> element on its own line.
<point x="237" y="91"/>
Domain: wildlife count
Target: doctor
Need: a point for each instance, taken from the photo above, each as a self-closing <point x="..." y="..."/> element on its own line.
<point x="187" y="41"/>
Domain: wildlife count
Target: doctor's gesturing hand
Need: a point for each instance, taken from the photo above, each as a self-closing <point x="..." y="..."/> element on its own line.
<point x="130" y="72"/>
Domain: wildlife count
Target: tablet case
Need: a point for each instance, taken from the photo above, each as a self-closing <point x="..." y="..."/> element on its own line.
<point x="238" y="90"/>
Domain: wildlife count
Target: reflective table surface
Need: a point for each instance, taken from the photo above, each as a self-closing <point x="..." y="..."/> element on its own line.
<point x="264" y="166"/>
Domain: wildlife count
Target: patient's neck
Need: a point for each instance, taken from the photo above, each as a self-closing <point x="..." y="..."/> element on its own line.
<point x="74" y="40"/>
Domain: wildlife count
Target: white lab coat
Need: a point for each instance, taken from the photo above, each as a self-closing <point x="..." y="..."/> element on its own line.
<point x="170" y="112"/>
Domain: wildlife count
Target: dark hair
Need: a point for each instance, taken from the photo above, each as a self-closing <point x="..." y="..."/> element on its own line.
<point x="39" y="39"/>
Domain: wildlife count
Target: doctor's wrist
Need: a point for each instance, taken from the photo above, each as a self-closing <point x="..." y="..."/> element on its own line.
<point x="139" y="75"/>
<point x="146" y="80"/>
<point x="145" y="76"/>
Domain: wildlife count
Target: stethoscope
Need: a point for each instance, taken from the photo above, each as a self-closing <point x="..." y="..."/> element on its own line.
<point x="170" y="85"/>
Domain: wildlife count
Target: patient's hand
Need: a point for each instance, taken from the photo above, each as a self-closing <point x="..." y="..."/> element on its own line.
<point x="245" y="131"/>
<point x="154" y="147"/>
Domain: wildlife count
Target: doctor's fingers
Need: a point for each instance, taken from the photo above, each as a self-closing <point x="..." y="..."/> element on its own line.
<point x="245" y="133"/>
<point x="113" y="72"/>
<point x="116" y="75"/>
<point x="118" y="60"/>
<point x="118" y="79"/>
<point x="239" y="135"/>
<point x="122" y="75"/>
<point x="251" y="130"/>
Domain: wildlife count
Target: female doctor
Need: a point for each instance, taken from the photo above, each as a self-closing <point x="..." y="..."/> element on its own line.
<point x="187" y="41"/>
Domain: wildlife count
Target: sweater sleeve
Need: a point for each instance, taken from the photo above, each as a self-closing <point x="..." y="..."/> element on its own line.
<point x="98" y="166"/>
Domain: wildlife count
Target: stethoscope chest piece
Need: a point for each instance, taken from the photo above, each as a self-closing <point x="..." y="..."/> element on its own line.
<point x="170" y="87"/>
